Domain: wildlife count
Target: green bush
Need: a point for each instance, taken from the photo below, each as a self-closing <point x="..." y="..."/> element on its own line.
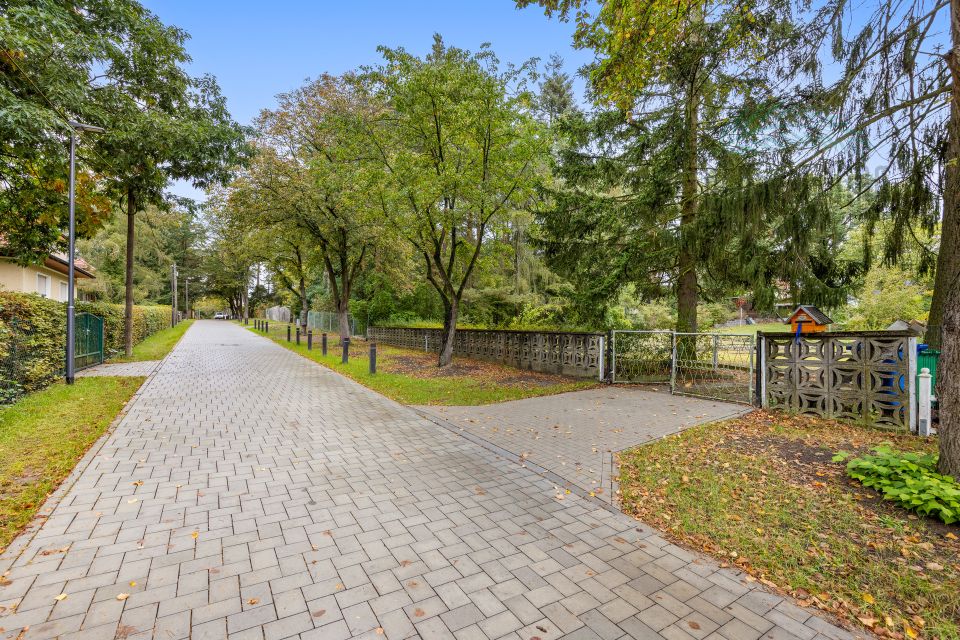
<point x="33" y="331"/>
<point x="909" y="479"/>
<point x="147" y="320"/>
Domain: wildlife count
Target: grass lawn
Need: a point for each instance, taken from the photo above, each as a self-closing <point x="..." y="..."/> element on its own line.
<point x="762" y="493"/>
<point x="158" y="345"/>
<point x="412" y="377"/>
<point x="43" y="436"/>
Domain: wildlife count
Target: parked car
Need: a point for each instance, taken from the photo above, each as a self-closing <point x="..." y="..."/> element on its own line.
<point x="220" y="315"/>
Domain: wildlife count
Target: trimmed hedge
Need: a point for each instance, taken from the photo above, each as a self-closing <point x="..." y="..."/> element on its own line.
<point x="147" y="320"/>
<point x="33" y="332"/>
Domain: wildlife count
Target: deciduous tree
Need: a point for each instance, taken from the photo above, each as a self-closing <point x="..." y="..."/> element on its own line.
<point x="456" y="147"/>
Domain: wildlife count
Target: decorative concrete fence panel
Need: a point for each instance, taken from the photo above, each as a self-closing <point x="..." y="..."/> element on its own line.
<point x="862" y="376"/>
<point x="572" y="354"/>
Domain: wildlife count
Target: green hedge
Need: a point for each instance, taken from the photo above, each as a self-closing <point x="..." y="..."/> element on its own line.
<point x="147" y="320"/>
<point x="33" y="332"/>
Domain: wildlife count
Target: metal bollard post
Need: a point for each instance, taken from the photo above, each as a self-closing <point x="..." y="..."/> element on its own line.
<point x="298" y="336"/>
<point x="288" y="333"/>
<point x="309" y="340"/>
<point x="323" y="343"/>
<point x="345" y="358"/>
<point x="266" y="326"/>
<point x="373" y="357"/>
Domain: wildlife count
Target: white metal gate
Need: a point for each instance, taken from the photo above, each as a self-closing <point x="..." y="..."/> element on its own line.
<point x="718" y="366"/>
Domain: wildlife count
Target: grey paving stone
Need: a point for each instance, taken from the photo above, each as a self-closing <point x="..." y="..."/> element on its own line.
<point x="251" y="493"/>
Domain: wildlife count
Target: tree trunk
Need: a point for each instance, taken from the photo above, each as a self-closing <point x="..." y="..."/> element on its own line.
<point x="948" y="385"/>
<point x="128" y="276"/>
<point x="948" y="259"/>
<point x="687" y="260"/>
<point x="947" y="285"/>
<point x="451" y="312"/>
<point x="304" y="304"/>
<point x="343" y="316"/>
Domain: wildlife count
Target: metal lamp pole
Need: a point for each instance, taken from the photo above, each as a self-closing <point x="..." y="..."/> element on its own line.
<point x="186" y="298"/>
<point x="74" y="127"/>
<point x="173" y="294"/>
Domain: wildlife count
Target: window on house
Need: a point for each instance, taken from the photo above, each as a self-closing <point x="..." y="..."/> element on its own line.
<point x="63" y="291"/>
<point x="43" y="285"/>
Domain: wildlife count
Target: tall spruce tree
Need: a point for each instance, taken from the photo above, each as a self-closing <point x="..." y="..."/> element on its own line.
<point x="668" y="183"/>
<point x="884" y="95"/>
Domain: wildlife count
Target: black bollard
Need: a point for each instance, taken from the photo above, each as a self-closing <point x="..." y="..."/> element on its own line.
<point x="266" y="326"/>
<point x="345" y="343"/>
<point x="323" y="344"/>
<point x="373" y="357"/>
<point x="288" y="333"/>
<point x="309" y="340"/>
<point x="298" y="336"/>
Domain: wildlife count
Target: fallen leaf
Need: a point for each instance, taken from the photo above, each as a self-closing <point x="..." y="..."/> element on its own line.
<point x="252" y="601"/>
<point x="419" y="613"/>
<point x="195" y="535"/>
<point x="60" y="597"/>
<point x="379" y="631"/>
<point x="123" y="596"/>
<point x="869" y="599"/>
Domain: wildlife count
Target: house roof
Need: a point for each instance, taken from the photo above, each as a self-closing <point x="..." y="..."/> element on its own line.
<point x="818" y="316"/>
<point x="59" y="261"/>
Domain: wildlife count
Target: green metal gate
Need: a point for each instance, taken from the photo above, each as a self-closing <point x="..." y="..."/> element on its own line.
<point x="88" y="341"/>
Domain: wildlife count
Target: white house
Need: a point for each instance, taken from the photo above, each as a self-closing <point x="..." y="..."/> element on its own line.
<point x="48" y="279"/>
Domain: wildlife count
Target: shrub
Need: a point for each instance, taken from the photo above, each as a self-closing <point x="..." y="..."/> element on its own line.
<point x="33" y="331"/>
<point x="147" y="320"/>
<point x="909" y="479"/>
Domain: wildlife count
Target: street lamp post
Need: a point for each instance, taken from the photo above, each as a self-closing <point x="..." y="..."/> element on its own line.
<point x="173" y="294"/>
<point x="186" y="298"/>
<point x="74" y="127"/>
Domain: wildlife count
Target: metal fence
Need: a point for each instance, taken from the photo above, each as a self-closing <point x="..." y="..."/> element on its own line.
<point x="641" y="356"/>
<point x="329" y="321"/>
<point x="709" y="365"/>
<point x="719" y="366"/>
<point x="88" y="341"/>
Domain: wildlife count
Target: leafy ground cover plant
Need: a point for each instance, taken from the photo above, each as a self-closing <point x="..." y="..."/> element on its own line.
<point x="908" y="478"/>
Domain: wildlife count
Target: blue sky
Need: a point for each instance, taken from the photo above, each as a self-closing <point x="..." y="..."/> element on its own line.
<point x="259" y="49"/>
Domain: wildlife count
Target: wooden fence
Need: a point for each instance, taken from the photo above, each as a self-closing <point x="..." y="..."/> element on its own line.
<point x="572" y="354"/>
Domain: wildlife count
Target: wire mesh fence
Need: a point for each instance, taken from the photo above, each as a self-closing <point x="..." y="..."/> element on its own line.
<point x="714" y="365"/>
<point x="641" y="356"/>
<point x="329" y="321"/>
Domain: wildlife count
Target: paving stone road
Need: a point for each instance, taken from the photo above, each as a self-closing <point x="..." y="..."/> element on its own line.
<point x="576" y="435"/>
<point x="249" y="493"/>
<point x="141" y="368"/>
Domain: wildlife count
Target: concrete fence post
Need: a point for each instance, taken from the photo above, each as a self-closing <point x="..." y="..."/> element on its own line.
<point x="345" y="356"/>
<point x="924" y="401"/>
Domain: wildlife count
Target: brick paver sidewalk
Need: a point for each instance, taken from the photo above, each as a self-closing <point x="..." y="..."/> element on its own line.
<point x="141" y="368"/>
<point x="249" y="492"/>
<point x="577" y="435"/>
